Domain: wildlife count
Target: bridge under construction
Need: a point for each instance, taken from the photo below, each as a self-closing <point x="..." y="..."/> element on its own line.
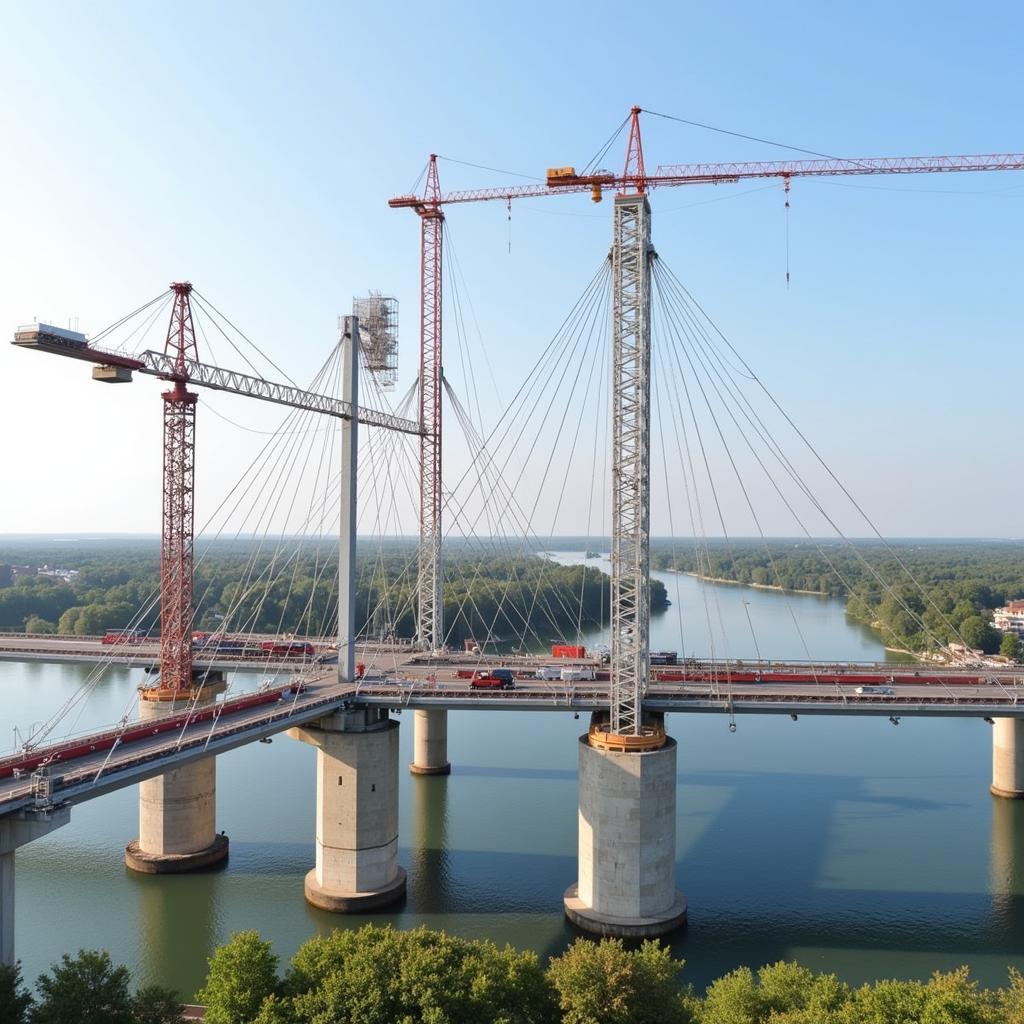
<point x="339" y="701"/>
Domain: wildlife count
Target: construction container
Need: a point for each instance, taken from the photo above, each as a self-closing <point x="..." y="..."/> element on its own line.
<point x="568" y="651"/>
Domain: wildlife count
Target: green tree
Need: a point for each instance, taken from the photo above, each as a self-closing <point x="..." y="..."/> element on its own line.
<point x="980" y="635"/>
<point x="84" y="989"/>
<point x="155" y="1005"/>
<point x="15" y="999"/>
<point x="1009" y="647"/>
<point x="243" y="973"/>
<point x="34" y="624"/>
<point x="1010" y="1001"/>
<point x="381" y="976"/>
<point x="604" y="983"/>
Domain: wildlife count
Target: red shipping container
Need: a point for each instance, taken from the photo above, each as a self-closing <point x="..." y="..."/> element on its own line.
<point x="568" y="651"/>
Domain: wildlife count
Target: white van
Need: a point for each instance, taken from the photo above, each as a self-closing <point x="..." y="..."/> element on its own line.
<point x="577" y="674"/>
<point x="548" y="672"/>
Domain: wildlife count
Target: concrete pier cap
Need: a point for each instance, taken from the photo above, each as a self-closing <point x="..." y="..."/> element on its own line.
<point x="1008" y="758"/>
<point x="430" y="743"/>
<point x="357" y="867"/>
<point x="627" y="841"/>
<point x="178" y="810"/>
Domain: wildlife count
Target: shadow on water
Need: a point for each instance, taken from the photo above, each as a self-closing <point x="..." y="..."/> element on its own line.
<point x="750" y="902"/>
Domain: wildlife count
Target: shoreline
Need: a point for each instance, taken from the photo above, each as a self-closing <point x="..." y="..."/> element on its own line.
<point x="740" y="583"/>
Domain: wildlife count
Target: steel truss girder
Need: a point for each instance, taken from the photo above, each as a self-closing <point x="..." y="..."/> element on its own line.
<point x="631" y="476"/>
<point x="217" y="379"/>
<point x="429" y="599"/>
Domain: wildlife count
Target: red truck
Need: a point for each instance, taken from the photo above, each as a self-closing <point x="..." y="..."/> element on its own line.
<point x="495" y="679"/>
<point x="288" y="648"/>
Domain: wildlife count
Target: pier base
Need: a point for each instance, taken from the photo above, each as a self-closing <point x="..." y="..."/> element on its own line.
<point x="1008" y="758"/>
<point x="177" y="813"/>
<point x="357" y="867"/>
<point x="15" y="832"/>
<point x="627" y="843"/>
<point x="430" y="744"/>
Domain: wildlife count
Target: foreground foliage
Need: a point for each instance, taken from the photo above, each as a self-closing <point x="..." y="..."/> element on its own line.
<point x="381" y="976"/>
<point x="84" y="989"/>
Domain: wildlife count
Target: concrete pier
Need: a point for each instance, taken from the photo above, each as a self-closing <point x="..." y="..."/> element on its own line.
<point x="15" y="832"/>
<point x="627" y="843"/>
<point x="357" y="867"/>
<point x="177" y="814"/>
<point x="1008" y="758"/>
<point x="430" y="744"/>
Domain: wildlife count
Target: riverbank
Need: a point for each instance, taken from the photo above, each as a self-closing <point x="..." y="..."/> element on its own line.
<point x="741" y="583"/>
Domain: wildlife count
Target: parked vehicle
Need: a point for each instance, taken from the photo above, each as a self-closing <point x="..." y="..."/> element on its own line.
<point x="497" y="679"/>
<point x="875" y="689"/>
<point x="124" y="636"/>
<point x="287" y="648"/>
<point x="577" y="674"/>
<point x="548" y="672"/>
<point x="664" y="657"/>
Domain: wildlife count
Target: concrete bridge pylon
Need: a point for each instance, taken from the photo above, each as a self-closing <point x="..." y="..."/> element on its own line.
<point x="1008" y="758"/>
<point x="357" y="865"/>
<point x="627" y="763"/>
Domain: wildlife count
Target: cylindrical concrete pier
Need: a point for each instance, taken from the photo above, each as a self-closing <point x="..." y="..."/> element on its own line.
<point x="627" y="843"/>
<point x="177" y="814"/>
<point x="430" y="744"/>
<point x="1008" y="758"/>
<point x="357" y="867"/>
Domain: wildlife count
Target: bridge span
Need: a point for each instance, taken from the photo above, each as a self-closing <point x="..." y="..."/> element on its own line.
<point x="353" y="726"/>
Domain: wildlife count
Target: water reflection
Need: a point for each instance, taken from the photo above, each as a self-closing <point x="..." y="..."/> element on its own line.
<point x="1007" y="864"/>
<point x="430" y="863"/>
<point x="176" y="926"/>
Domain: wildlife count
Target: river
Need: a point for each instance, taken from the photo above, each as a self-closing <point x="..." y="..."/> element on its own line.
<point x="851" y="845"/>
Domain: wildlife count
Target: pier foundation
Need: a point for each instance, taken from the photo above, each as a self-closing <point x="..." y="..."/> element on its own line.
<point x="177" y="810"/>
<point x="430" y="744"/>
<point x="627" y="843"/>
<point x="15" y="832"/>
<point x="357" y="867"/>
<point x="1008" y="758"/>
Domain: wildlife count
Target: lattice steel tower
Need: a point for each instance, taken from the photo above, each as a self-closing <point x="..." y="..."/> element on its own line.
<point x="631" y="443"/>
<point x="177" y="528"/>
<point x="430" y="604"/>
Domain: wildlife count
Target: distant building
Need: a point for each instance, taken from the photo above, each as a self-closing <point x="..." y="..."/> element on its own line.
<point x="1010" y="619"/>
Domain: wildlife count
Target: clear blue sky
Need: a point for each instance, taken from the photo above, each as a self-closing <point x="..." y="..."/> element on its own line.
<point x="252" y="148"/>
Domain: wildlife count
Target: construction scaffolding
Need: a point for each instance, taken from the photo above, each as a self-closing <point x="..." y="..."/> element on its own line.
<point x="378" y="333"/>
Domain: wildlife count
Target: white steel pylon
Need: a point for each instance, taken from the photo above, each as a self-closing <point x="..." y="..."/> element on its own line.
<point x="429" y="604"/>
<point x="631" y="459"/>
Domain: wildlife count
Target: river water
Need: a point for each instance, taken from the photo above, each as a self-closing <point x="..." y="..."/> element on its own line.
<point x="848" y="844"/>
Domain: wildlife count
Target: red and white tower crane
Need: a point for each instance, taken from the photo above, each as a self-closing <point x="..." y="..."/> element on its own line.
<point x="631" y="357"/>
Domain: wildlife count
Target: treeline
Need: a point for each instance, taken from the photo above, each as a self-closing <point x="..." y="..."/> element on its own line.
<point x="242" y="588"/>
<point x="381" y="976"/>
<point x="918" y="594"/>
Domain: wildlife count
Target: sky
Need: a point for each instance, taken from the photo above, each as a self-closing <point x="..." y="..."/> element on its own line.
<point x="251" y="148"/>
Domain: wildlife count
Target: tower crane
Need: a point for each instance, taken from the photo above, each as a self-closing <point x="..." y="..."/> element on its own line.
<point x="631" y="360"/>
<point x="179" y="365"/>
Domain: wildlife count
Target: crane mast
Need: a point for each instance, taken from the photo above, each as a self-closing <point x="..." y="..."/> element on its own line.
<point x="430" y="602"/>
<point x="631" y="470"/>
<point x="177" y="522"/>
